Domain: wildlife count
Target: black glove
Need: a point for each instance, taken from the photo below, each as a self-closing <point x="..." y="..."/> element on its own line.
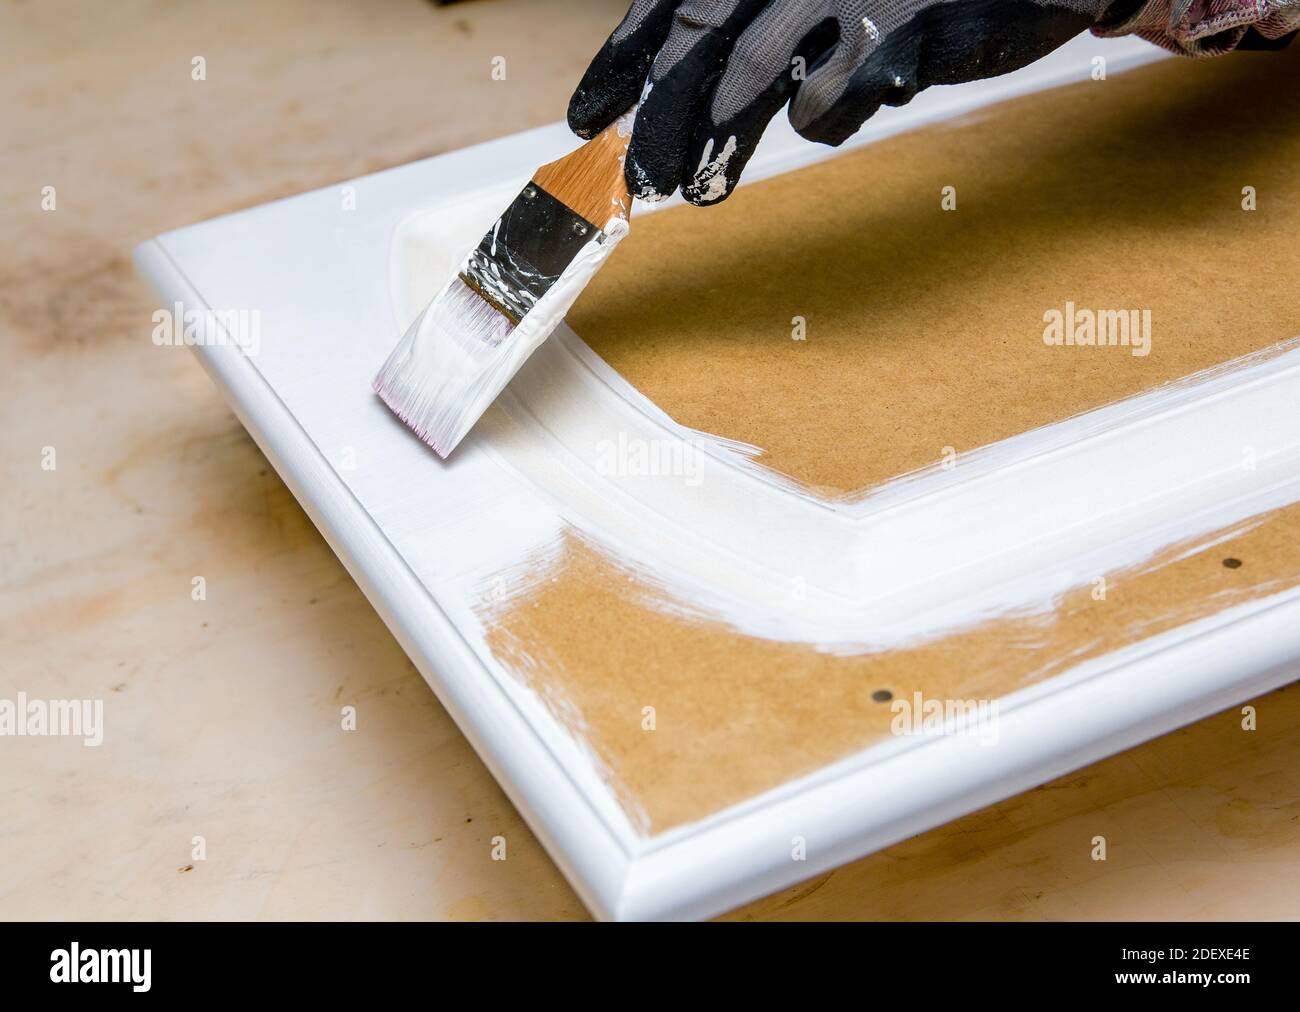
<point x="714" y="72"/>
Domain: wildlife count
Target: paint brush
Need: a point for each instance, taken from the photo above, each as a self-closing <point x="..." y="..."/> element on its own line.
<point x="512" y="291"/>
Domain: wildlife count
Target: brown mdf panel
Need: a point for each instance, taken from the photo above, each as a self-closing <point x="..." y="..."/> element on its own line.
<point x="924" y="326"/>
<point x="735" y="715"/>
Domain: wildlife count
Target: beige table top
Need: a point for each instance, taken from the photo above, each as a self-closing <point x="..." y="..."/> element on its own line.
<point x="222" y="715"/>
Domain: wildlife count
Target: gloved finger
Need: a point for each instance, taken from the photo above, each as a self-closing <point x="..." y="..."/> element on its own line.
<point x="945" y="43"/>
<point x="769" y="61"/>
<point x="676" y="96"/>
<point x="618" y="72"/>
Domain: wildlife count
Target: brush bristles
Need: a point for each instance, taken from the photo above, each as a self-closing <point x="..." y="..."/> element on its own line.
<point x="446" y="364"/>
<point x="462" y="350"/>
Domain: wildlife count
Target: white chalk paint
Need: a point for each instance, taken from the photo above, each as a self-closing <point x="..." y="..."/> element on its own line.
<point x="1009" y="530"/>
<point x="710" y="181"/>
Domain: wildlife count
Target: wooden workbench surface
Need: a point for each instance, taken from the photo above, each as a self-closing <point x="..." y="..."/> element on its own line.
<point x="222" y="715"/>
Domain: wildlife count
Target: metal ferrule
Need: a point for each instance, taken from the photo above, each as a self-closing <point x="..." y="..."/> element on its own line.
<point x="526" y="251"/>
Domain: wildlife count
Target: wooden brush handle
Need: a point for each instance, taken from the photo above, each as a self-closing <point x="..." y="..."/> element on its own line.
<point x="590" y="180"/>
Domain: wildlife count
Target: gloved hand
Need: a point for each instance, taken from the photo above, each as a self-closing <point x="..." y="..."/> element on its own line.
<point x="715" y="72"/>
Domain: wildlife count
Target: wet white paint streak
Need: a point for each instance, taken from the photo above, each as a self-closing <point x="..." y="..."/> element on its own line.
<point x="1008" y="530"/>
<point x="710" y="182"/>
